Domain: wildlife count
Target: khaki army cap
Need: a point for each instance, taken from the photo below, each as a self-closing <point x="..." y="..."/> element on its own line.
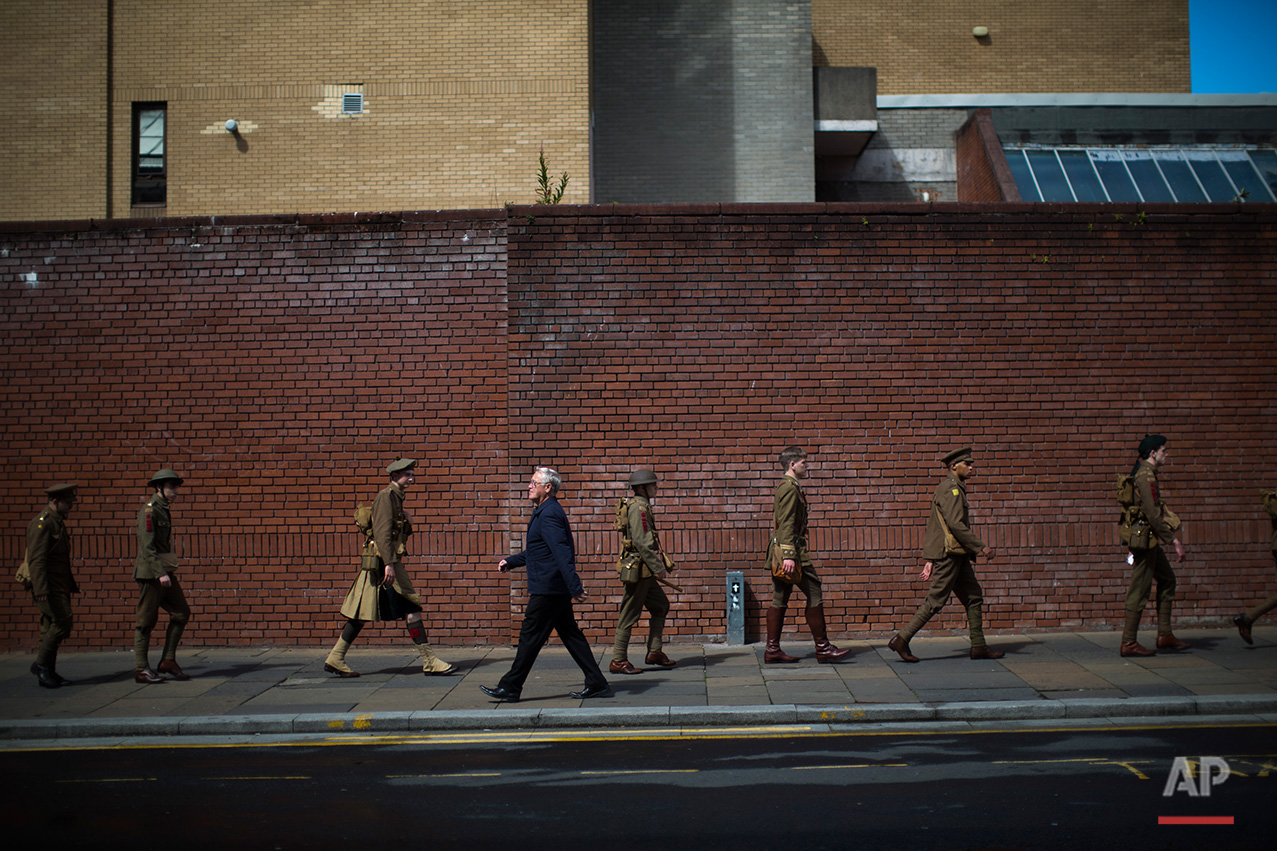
<point x="62" y="491"/>
<point x="956" y="455"/>
<point x="165" y="475"/>
<point x="400" y="465"/>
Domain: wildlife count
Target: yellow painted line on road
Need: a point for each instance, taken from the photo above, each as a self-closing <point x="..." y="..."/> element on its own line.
<point x="623" y="772"/>
<point x="654" y="734"/>
<point x="530" y="736"/>
<point x="1094" y="761"/>
<point x="850" y="765"/>
<point x="1048" y="761"/>
<point x="1130" y="766"/>
<point x="265" y="777"/>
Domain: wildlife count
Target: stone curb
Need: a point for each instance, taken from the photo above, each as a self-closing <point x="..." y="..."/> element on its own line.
<point x="517" y="718"/>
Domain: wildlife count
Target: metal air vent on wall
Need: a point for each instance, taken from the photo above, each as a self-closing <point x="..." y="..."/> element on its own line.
<point x="352" y="104"/>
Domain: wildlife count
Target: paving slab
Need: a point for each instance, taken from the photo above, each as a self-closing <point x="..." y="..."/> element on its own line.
<point x="247" y="690"/>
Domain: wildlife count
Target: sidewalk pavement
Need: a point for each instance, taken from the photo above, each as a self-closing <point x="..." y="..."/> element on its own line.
<point x="1043" y="678"/>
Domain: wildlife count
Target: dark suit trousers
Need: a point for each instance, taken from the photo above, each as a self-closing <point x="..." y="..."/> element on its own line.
<point x="548" y="613"/>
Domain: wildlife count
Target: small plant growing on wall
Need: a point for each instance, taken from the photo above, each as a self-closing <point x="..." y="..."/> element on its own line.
<point x="546" y="193"/>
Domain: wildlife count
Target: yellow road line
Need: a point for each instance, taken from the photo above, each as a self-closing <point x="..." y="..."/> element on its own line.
<point x="652" y="734"/>
<point x="853" y="765"/>
<point x="636" y="771"/>
<point x="281" y="777"/>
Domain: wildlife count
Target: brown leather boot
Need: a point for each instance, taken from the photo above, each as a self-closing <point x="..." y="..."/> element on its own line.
<point x="983" y="652"/>
<point x="773" y="654"/>
<point x="901" y="646"/>
<point x="825" y="652"/>
<point x="1168" y="641"/>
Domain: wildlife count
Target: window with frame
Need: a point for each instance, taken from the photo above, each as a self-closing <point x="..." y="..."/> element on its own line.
<point x="150" y="182"/>
<point x="1183" y="175"/>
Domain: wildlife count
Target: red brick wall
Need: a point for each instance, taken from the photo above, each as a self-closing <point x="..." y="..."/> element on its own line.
<point x="983" y="173"/>
<point x="281" y="363"/>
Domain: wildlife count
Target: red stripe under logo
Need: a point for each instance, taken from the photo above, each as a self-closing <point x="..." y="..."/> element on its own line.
<point x="1194" y="819"/>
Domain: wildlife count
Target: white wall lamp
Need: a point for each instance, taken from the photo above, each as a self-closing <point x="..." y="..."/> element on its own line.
<point x="232" y="126"/>
<point x="980" y="32"/>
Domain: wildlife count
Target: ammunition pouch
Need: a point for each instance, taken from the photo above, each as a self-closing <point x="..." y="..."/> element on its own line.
<point x="1135" y="530"/>
<point x="631" y="568"/>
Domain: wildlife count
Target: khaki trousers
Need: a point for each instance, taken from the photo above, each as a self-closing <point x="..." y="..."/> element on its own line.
<point x="951" y="575"/>
<point x="1151" y="565"/>
<point x="154" y="597"/>
<point x="809" y="585"/>
<point x="644" y="594"/>
<point x="55" y="626"/>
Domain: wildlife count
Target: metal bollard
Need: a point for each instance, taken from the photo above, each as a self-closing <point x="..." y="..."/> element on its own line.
<point x="735" y="607"/>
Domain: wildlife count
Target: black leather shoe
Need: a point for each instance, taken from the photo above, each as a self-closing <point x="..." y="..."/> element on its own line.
<point x="45" y="677"/>
<point x="1243" y="628"/>
<point x="592" y="691"/>
<point x="498" y="693"/>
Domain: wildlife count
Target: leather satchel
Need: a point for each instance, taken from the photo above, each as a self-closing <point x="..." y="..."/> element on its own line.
<point x="775" y="564"/>
<point x="952" y="547"/>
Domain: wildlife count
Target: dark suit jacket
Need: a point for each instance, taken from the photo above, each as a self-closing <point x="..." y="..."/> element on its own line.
<point x="549" y="552"/>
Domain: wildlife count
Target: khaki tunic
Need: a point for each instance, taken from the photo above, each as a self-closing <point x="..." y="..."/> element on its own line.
<point x="49" y="560"/>
<point x="1152" y="565"/>
<point x="647" y="592"/>
<point x="49" y="555"/>
<point x="949" y="501"/>
<point x="154" y="540"/>
<point x="789" y="520"/>
<point x="1146" y="490"/>
<point x="391" y="528"/>
<point x="644" y="544"/>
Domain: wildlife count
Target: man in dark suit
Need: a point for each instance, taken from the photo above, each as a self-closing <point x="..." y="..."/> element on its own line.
<point x="550" y="556"/>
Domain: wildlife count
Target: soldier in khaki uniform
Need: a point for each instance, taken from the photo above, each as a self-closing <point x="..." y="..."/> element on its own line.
<point x="1149" y="564"/>
<point x="50" y="580"/>
<point x="641" y="565"/>
<point x="789" y="545"/>
<point x="382" y="591"/>
<point x="1246" y="620"/>
<point x="156" y="573"/>
<point x="948" y="565"/>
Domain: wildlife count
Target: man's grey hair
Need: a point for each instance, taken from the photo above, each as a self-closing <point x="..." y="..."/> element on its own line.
<point x="548" y="476"/>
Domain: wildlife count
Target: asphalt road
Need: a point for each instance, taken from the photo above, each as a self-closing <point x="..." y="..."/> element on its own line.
<point x="1081" y="788"/>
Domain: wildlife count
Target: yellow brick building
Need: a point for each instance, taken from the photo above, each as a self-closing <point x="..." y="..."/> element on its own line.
<point x="119" y="108"/>
<point x="927" y="46"/>
<point x="457" y="100"/>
